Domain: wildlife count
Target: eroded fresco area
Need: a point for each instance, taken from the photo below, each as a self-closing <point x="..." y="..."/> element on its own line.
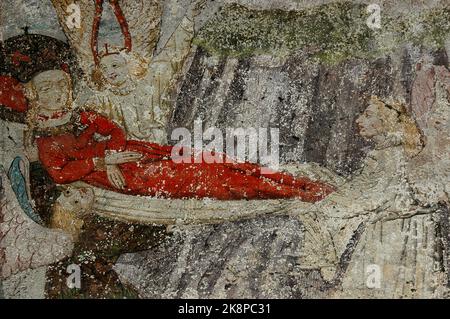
<point x="362" y="111"/>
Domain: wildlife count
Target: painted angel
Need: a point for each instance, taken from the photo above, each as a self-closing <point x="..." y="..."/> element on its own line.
<point x="376" y="219"/>
<point x="133" y="83"/>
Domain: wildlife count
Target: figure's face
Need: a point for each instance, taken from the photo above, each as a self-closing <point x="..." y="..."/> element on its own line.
<point x="115" y="69"/>
<point x="370" y="123"/>
<point x="77" y="200"/>
<point x="53" y="90"/>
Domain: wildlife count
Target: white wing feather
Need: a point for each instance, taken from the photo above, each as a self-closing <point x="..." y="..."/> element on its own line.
<point x="79" y="38"/>
<point x="144" y="22"/>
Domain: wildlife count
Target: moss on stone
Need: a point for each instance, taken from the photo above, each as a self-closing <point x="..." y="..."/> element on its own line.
<point x="331" y="32"/>
<point x="436" y="28"/>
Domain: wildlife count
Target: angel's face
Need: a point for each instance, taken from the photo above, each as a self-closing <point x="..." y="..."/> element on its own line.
<point x="77" y="200"/>
<point x="53" y="90"/>
<point x="115" y="69"/>
<point x="370" y="123"/>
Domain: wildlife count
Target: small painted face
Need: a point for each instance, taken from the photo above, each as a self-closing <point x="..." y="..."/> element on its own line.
<point x="77" y="200"/>
<point x="370" y="123"/>
<point x="115" y="69"/>
<point x="53" y="90"/>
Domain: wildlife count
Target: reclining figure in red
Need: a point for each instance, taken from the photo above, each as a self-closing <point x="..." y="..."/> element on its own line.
<point x="86" y="146"/>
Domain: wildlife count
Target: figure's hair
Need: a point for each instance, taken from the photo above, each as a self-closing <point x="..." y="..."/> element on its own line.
<point x="401" y="125"/>
<point x="66" y="220"/>
<point x="44" y="191"/>
<point x="138" y="64"/>
<point x="414" y="140"/>
<point x="33" y="109"/>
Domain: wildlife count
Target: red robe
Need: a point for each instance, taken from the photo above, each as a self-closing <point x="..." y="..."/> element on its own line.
<point x="69" y="158"/>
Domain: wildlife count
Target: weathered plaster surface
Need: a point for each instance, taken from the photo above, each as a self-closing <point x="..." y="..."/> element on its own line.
<point x="303" y="67"/>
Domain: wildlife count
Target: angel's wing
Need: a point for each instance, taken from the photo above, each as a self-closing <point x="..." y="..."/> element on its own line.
<point x="143" y="18"/>
<point x="144" y="22"/>
<point x="78" y="32"/>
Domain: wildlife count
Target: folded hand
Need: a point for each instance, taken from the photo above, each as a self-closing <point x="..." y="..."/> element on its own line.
<point x="115" y="176"/>
<point x="122" y="157"/>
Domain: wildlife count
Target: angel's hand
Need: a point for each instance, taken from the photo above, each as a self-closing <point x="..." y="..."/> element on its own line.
<point x="122" y="157"/>
<point x="402" y="214"/>
<point x="115" y="176"/>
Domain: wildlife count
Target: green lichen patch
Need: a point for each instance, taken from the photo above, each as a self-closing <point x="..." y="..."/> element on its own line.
<point x="330" y="32"/>
<point x="431" y="28"/>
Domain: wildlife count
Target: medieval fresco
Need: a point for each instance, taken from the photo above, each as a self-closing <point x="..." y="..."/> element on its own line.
<point x="224" y="149"/>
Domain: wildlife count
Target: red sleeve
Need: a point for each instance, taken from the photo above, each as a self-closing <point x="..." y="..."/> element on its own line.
<point x="61" y="169"/>
<point x="105" y="127"/>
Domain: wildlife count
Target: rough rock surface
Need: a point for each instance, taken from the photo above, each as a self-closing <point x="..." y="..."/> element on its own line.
<point x="313" y="105"/>
<point x="258" y="258"/>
